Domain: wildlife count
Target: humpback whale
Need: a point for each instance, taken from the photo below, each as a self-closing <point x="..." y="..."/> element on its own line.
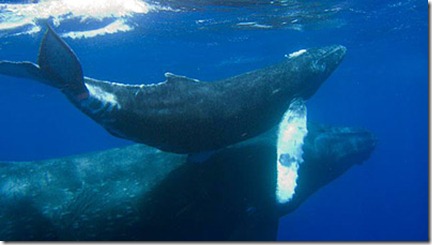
<point x="140" y="193"/>
<point x="181" y="114"/>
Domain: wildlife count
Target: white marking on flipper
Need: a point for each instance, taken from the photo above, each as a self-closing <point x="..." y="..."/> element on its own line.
<point x="292" y="131"/>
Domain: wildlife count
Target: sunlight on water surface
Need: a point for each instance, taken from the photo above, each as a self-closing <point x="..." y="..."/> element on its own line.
<point x="25" y="18"/>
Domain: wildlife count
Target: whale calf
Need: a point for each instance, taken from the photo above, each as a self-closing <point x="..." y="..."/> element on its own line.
<point x="181" y="114"/>
<point x="140" y="193"/>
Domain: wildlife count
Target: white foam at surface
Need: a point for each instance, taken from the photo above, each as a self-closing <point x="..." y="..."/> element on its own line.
<point x="254" y="24"/>
<point x="23" y="18"/>
<point x="292" y="131"/>
<point x="117" y="26"/>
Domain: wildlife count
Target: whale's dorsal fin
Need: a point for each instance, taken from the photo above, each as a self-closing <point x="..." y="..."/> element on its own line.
<point x="60" y="65"/>
<point x="172" y="78"/>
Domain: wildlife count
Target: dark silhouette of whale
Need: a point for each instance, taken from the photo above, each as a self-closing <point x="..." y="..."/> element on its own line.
<point x="140" y="193"/>
<point x="181" y="114"/>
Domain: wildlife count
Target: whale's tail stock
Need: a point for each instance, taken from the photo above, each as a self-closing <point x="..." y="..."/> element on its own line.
<point x="57" y="66"/>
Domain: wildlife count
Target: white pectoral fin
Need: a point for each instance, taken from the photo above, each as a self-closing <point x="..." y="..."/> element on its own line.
<point x="291" y="133"/>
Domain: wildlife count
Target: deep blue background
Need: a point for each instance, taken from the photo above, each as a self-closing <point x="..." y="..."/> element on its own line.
<point x="382" y="85"/>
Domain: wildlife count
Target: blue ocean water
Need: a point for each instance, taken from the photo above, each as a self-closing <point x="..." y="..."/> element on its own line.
<point x="382" y="85"/>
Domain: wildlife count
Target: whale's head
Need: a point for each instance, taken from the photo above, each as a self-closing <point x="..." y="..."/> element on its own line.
<point x="329" y="152"/>
<point x="314" y="65"/>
